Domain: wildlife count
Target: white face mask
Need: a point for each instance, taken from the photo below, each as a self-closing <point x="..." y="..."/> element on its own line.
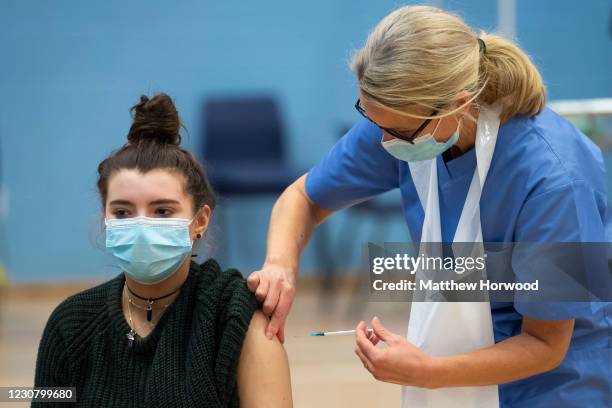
<point x="424" y="147"/>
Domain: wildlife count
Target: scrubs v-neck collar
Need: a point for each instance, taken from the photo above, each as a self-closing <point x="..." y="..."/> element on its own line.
<point x="456" y="168"/>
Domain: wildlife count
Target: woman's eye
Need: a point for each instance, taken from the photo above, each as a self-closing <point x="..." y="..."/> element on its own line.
<point x="120" y="213"/>
<point x="165" y="212"/>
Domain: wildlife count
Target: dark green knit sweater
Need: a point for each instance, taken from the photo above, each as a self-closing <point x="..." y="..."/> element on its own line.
<point x="190" y="358"/>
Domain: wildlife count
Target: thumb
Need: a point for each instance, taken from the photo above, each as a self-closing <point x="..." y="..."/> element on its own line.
<point x="382" y="332"/>
<point x="253" y="281"/>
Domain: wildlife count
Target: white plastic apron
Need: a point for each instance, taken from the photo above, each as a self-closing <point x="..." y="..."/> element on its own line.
<point x="447" y="328"/>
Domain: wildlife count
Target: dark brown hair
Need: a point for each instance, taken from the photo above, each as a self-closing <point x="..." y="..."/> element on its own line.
<point x="153" y="143"/>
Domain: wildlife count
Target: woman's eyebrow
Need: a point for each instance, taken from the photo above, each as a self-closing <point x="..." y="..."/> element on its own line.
<point x="164" y="201"/>
<point x="121" y="202"/>
<point x="155" y="202"/>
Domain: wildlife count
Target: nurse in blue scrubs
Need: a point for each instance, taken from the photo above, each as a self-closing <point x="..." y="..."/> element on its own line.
<point x="424" y="77"/>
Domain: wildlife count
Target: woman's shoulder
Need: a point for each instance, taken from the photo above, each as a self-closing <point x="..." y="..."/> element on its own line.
<point x="74" y="314"/>
<point x="213" y="270"/>
<point x="215" y="278"/>
<point x="547" y="128"/>
<point x="83" y="304"/>
<point x="227" y="289"/>
<point x="549" y="149"/>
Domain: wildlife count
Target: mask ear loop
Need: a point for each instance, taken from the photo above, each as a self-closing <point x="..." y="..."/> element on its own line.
<point x="433" y="133"/>
<point x="458" y="129"/>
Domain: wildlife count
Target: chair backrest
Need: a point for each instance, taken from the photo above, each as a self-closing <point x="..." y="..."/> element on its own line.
<point x="243" y="129"/>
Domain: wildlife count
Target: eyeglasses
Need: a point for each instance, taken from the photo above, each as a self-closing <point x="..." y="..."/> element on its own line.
<point x="394" y="132"/>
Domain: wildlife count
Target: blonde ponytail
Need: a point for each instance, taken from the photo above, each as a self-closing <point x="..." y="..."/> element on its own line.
<point x="425" y="57"/>
<point x="510" y="73"/>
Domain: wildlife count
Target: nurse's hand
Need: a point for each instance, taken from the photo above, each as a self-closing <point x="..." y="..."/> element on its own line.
<point x="274" y="285"/>
<point x="399" y="363"/>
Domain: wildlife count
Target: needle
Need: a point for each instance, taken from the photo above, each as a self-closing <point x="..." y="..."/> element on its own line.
<point x="335" y="333"/>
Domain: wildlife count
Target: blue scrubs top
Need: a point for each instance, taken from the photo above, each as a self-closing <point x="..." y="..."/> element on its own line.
<point x="546" y="183"/>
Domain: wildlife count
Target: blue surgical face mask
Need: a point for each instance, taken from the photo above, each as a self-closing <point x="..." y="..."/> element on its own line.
<point x="424" y="148"/>
<point x="149" y="250"/>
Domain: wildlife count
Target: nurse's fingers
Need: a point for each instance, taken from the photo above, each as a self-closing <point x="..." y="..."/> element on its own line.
<point x="373" y="338"/>
<point x="281" y="334"/>
<point x="365" y="345"/>
<point x="382" y="332"/>
<point x="262" y="289"/>
<point x="280" y="313"/>
<point x="364" y="360"/>
<point x="271" y="300"/>
<point x="253" y="281"/>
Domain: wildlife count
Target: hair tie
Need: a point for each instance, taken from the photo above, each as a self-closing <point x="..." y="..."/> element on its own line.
<point x="483" y="46"/>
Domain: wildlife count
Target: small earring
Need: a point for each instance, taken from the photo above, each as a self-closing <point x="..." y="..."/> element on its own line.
<point x="198" y="236"/>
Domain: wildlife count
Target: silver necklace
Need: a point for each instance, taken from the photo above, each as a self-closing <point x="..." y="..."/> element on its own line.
<point x="132" y="333"/>
<point x="150" y="301"/>
<point x="148" y="307"/>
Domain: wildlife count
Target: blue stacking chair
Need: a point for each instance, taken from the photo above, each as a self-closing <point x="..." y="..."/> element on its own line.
<point x="244" y="151"/>
<point x="245" y="146"/>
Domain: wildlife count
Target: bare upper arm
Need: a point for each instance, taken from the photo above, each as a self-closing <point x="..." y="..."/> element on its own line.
<point x="319" y="213"/>
<point x="556" y="334"/>
<point x="263" y="370"/>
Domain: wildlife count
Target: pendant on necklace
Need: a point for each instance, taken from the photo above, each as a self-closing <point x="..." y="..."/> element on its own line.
<point x="149" y="311"/>
<point x="130" y="337"/>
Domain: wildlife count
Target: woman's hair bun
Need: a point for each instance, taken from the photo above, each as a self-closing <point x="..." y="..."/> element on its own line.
<point x="155" y="119"/>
